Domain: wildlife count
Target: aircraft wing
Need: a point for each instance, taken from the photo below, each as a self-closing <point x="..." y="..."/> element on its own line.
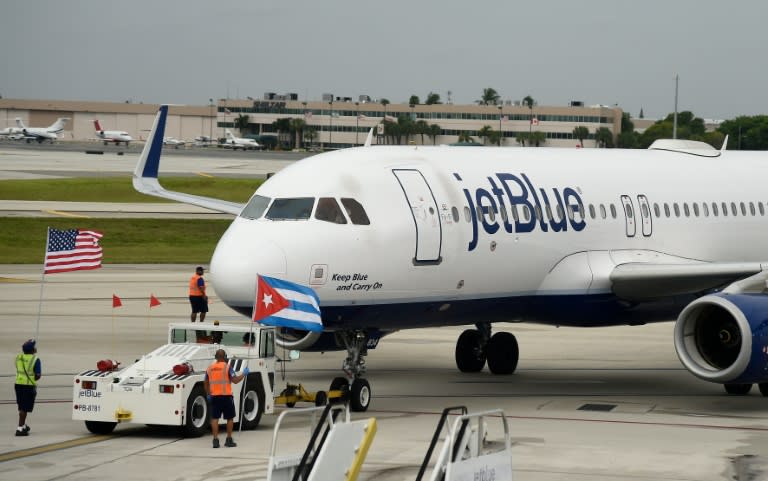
<point x="145" y="176"/>
<point x="644" y="281"/>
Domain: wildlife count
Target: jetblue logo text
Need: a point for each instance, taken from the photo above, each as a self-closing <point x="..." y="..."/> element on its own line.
<point x="509" y="190"/>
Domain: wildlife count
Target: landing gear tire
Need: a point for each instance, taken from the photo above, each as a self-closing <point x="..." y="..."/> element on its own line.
<point x="502" y="352"/>
<point x="470" y="355"/>
<point x="738" y="389"/>
<point x="321" y="398"/>
<point x="198" y="415"/>
<point x="763" y="386"/>
<point x="100" y="427"/>
<point x="252" y="403"/>
<point x="359" y="395"/>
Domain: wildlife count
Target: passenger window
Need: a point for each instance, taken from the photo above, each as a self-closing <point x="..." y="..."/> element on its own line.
<point x="491" y="213"/>
<point x="714" y="209"/>
<point x="696" y="209"/>
<point x="592" y="211"/>
<point x="255" y="207"/>
<point x="761" y="208"/>
<point x="526" y="213"/>
<point x="644" y="208"/>
<point x="549" y="213"/>
<point x="685" y="209"/>
<point x="628" y="208"/>
<point x="515" y="216"/>
<point x="734" y="211"/>
<point x="706" y="209"/>
<point x="455" y="213"/>
<point x="570" y="212"/>
<point x="602" y="211"/>
<point x="539" y="215"/>
<point x="725" y="209"/>
<point x="656" y="210"/>
<point x="666" y="209"/>
<point x="560" y="213"/>
<point x="613" y="211"/>
<point x="328" y="210"/>
<point x="467" y="214"/>
<point x="743" y="208"/>
<point x="355" y="211"/>
<point x="291" y="209"/>
<point x="677" y="209"/>
<point x="752" y="208"/>
<point x="503" y="212"/>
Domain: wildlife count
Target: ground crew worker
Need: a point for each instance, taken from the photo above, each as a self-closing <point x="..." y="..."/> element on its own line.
<point x="27" y="374"/>
<point x="218" y="384"/>
<point x="197" y="296"/>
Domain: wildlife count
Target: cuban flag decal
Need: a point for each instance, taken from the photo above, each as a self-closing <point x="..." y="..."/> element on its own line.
<point x="286" y="304"/>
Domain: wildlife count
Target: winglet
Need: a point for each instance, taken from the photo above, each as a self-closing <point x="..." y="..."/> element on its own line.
<point x="725" y="143"/>
<point x="146" y="172"/>
<point x="369" y="139"/>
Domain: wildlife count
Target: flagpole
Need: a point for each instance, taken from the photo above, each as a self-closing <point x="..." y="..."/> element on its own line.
<point x="251" y="341"/>
<point x="42" y="284"/>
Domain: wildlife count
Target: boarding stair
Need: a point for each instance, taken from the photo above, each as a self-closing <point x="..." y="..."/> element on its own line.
<point x="336" y="449"/>
<point x="466" y="453"/>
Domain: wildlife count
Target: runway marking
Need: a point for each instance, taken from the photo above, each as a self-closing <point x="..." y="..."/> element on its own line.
<point x="23" y="453"/>
<point x="66" y="214"/>
<point x="203" y="174"/>
<point x="12" y="280"/>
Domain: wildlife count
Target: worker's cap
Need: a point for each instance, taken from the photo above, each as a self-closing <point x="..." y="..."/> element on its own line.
<point x="29" y="346"/>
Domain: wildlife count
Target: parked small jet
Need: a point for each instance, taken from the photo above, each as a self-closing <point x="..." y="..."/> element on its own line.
<point x="41" y="134"/>
<point x="239" y="142"/>
<point x="115" y="136"/>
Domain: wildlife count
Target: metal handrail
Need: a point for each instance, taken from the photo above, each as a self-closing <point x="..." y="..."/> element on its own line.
<point x="436" y="437"/>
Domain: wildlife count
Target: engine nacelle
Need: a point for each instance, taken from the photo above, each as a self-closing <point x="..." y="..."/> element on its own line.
<point x="723" y="338"/>
<point x="299" y="340"/>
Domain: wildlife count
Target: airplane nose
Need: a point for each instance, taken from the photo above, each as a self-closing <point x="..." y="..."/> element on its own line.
<point x="241" y="254"/>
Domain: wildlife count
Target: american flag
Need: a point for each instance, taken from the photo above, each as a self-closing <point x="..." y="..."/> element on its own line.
<point x="308" y="114"/>
<point x="72" y="250"/>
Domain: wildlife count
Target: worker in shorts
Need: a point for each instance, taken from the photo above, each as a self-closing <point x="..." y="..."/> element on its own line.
<point x="218" y="384"/>
<point x="197" y="296"/>
<point x="27" y="374"/>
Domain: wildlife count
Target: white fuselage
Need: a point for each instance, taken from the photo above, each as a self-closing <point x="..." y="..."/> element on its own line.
<point x="438" y="241"/>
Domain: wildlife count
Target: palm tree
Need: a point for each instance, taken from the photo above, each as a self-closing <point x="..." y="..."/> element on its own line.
<point x="296" y="126"/>
<point x="434" y="131"/>
<point x="432" y="99"/>
<point x="242" y="122"/>
<point x="422" y="128"/>
<point x="494" y="137"/>
<point x="310" y="135"/>
<point x="490" y="97"/>
<point x="484" y="133"/>
<point x="384" y="102"/>
<point x="537" y="138"/>
<point x="604" y="138"/>
<point x="580" y="133"/>
<point x="528" y="101"/>
<point x="522" y="137"/>
<point x="281" y="126"/>
<point x="414" y="100"/>
<point x="465" y="137"/>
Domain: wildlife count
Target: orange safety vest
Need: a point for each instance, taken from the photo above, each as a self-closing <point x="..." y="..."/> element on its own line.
<point x="218" y="379"/>
<point x="194" y="289"/>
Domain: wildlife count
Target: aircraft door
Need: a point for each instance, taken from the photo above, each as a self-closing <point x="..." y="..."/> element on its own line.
<point x="426" y="217"/>
<point x="629" y="215"/>
<point x="645" y="215"/>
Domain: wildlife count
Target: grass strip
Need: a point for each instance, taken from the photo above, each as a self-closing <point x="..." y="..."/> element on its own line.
<point x="120" y="189"/>
<point x="125" y="241"/>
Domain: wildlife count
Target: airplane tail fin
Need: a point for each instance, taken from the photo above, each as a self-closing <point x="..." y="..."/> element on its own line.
<point x="58" y="126"/>
<point x="228" y="134"/>
<point x="725" y="144"/>
<point x="20" y="123"/>
<point x="97" y="125"/>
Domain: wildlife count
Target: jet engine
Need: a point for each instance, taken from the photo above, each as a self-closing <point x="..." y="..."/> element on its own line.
<point x="295" y="339"/>
<point x="723" y="338"/>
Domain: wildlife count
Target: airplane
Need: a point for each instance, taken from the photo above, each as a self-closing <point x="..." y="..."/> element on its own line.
<point x="239" y="142"/>
<point x="403" y="237"/>
<point x="173" y="142"/>
<point x="42" y="134"/>
<point x="115" y="136"/>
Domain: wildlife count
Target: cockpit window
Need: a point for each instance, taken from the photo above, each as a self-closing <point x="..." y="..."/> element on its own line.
<point x="328" y="210"/>
<point x="255" y="208"/>
<point x="355" y="211"/>
<point x="291" y="209"/>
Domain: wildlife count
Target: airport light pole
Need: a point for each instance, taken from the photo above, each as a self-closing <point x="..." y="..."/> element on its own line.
<point x="210" y="105"/>
<point x="500" y="107"/>
<point x="357" y="123"/>
<point x="330" y="124"/>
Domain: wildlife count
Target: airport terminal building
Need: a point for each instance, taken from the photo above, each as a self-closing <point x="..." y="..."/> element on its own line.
<point x="337" y="122"/>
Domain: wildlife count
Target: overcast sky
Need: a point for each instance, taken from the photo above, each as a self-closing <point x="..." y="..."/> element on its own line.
<point x="187" y="51"/>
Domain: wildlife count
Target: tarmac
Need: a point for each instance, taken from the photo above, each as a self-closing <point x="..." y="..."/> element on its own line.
<point x="584" y="404"/>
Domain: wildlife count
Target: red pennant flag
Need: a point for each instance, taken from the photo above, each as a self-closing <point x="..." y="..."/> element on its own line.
<point x="153" y="301"/>
<point x="268" y="301"/>
<point x="116" y="302"/>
